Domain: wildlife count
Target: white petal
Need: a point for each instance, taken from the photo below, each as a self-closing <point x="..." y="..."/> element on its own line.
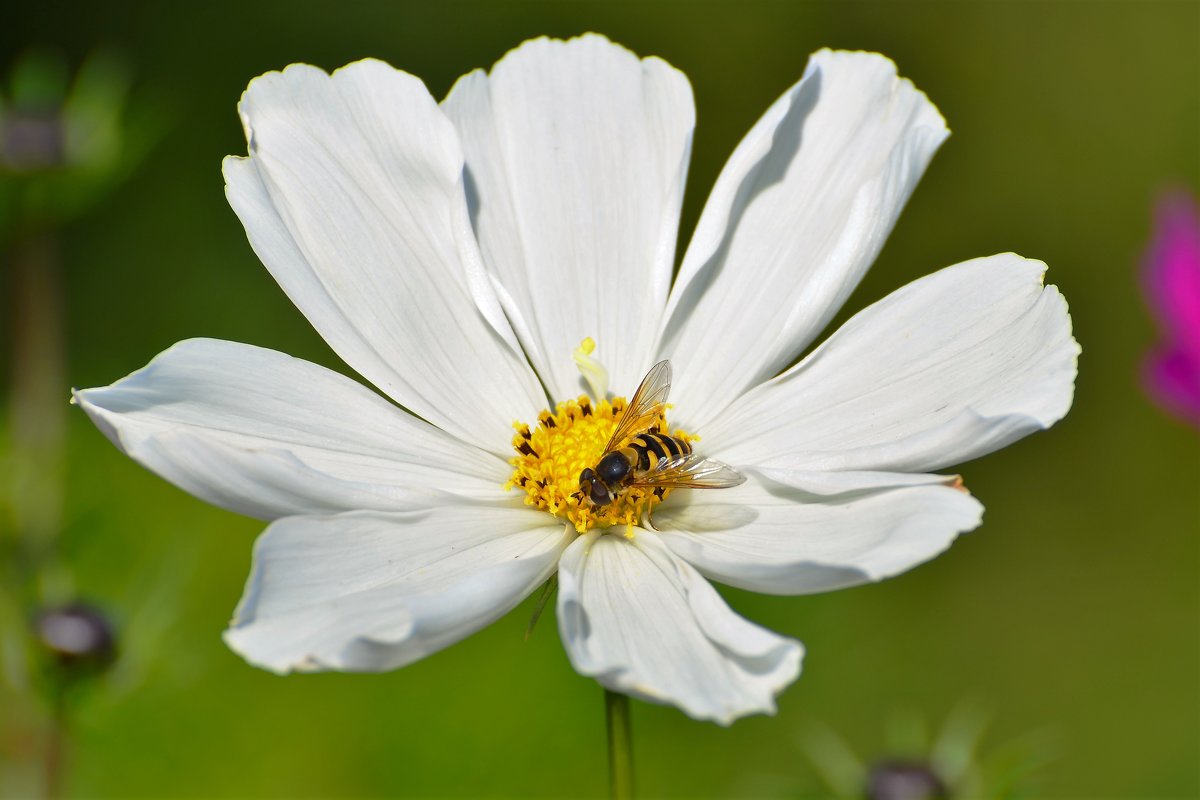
<point x="946" y="369"/>
<point x="795" y="219"/>
<point x="576" y="159"/>
<point x="370" y="591"/>
<point x="264" y="434"/>
<point x="642" y="622"/>
<point x="352" y="197"/>
<point x="776" y="539"/>
<point x="829" y="483"/>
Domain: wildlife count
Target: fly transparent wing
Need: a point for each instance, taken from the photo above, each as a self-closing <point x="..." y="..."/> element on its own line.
<point x="643" y="409"/>
<point x="691" y="471"/>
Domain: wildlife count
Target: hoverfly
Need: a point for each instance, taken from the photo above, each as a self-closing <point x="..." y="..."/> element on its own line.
<point x="641" y="455"/>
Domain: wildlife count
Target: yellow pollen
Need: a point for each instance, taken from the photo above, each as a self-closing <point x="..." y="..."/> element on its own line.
<point x="551" y="456"/>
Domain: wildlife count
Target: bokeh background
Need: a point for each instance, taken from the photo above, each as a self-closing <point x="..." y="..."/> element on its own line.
<point x="1072" y="617"/>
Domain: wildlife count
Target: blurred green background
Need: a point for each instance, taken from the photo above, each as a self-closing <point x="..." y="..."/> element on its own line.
<point x="1073" y="614"/>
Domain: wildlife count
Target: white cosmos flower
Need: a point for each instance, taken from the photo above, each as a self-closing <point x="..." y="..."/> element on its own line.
<point x="456" y="254"/>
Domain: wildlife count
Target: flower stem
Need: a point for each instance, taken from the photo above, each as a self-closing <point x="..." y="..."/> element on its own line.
<point x="54" y="759"/>
<point x="620" y="745"/>
<point x="38" y="400"/>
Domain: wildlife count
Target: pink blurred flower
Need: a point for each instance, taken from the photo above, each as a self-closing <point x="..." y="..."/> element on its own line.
<point x="1171" y="273"/>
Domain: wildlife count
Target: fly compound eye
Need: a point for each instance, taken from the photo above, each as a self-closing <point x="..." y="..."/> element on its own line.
<point x="586" y="479"/>
<point x="599" y="494"/>
<point x="613" y="468"/>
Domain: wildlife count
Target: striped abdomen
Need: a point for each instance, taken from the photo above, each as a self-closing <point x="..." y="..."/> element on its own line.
<point x="646" y="450"/>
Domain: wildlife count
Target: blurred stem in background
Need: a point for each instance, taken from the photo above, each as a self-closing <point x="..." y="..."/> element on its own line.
<point x="65" y="142"/>
<point x="37" y="409"/>
<point x="37" y="424"/>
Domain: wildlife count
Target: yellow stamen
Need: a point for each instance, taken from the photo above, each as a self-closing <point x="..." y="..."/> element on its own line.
<point x="551" y="456"/>
<point x="592" y="370"/>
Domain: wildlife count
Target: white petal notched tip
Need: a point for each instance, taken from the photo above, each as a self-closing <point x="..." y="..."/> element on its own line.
<point x="643" y="622"/>
<point x="268" y="435"/>
<point x="351" y="197"/>
<point x="946" y="369"/>
<point x="796" y="217"/>
<point x="576" y="159"/>
<point x="366" y="592"/>
<point x="770" y="538"/>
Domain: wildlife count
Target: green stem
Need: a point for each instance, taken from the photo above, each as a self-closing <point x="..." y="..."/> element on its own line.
<point x="38" y="401"/>
<point x="54" y="763"/>
<point x="620" y="745"/>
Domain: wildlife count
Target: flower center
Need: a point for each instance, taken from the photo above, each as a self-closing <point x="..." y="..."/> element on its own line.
<point x="551" y="456"/>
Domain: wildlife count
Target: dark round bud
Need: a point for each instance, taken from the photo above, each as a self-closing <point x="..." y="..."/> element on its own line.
<point x="613" y="468"/>
<point x="76" y="635"/>
<point x="904" y="780"/>
<point x="32" y="140"/>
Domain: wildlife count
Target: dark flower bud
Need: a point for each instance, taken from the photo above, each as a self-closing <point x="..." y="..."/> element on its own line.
<point x="76" y="635"/>
<point x="32" y="140"/>
<point x="904" y="780"/>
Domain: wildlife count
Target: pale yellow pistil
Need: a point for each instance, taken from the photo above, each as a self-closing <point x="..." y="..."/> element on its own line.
<point x="551" y="456"/>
